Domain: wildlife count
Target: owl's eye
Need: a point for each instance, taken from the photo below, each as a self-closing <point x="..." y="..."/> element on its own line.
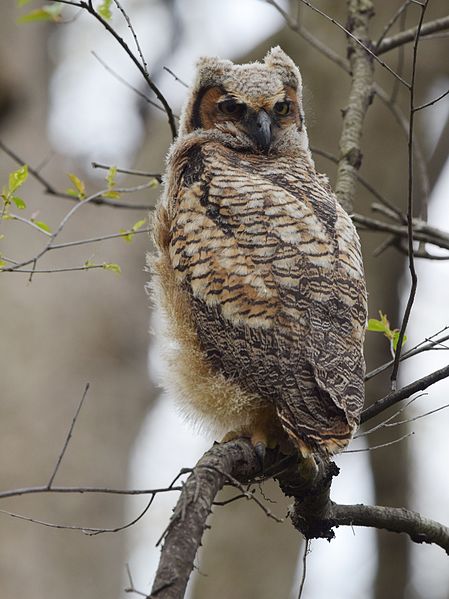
<point x="282" y="108"/>
<point x="231" y="108"/>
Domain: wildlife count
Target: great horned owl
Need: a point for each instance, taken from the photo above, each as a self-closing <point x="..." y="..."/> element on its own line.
<point x="259" y="269"/>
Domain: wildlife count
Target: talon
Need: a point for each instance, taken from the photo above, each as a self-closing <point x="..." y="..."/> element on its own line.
<point x="261" y="450"/>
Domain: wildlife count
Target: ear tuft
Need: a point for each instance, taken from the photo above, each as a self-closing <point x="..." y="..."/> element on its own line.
<point x="211" y="70"/>
<point x="280" y="62"/>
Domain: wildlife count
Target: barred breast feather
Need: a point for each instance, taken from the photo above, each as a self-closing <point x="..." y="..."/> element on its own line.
<point x="259" y="272"/>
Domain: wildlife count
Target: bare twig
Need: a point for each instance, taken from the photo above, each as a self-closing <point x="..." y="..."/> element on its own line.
<point x="401" y="10"/>
<point x="84" y="529"/>
<point x="316" y="43"/>
<point x="427" y="345"/>
<point x="380" y="446"/>
<point x="304" y="567"/>
<point x="357" y="9"/>
<point x="176" y="78"/>
<point x="410" y="34"/>
<point x="421" y="231"/>
<point x="68" y="437"/>
<point x="411" y="263"/>
<point x="396" y="396"/>
<point x="88" y="6"/>
<point x="370" y="188"/>
<point x="432" y="102"/>
<point x="126" y="83"/>
<point x="84" y="490"/>
<point x="129" y="171"/>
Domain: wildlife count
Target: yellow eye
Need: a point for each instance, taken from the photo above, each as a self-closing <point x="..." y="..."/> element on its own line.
<point x="231" y="108"/>
<point x="282" y="108"/>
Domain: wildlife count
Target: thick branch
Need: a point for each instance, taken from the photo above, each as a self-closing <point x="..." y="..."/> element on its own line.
<point x="409" y="35"/>
<point x="421" y="230"/>
<point x="360" y="12"/>
<point x="313" y="514"/>
<point x="419" y="529"/>
<point x="183" y="535"/>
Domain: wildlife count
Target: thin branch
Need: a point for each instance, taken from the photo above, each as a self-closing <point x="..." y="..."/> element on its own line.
<point x="133" y="33"/>
<point x="421" y="232"/>
<point x="84" y="529"/>
<point x="411" y="260"/>
<point x="49" y="189"/>
<point x="410" y="34"/>
<point x="304" y="567"/>
<point x="59" y="246"/>
<point x="90" y="9"/>
<point x="12" y="216"/>
<point x="391" y="22"/>
<point x="404" y="123"/>
<point x="68" y="437"/>
<point x="19" y="267"/>
<point x="361" y="9"/>
<point x="432" y="102"/>
<point x="370" y="188"/>
<point x="84" y="490"/>
<point x="129" y="171"/>
<point x="381" y="446"/>
<point x="126" y="83"/>
<point x="396" y="396"/>
<point x="176" y="78"/>
<point x="427" y="345"/>
<point x="316" y="43"/>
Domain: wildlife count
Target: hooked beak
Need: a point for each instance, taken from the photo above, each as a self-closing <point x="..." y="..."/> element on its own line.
<point x="259" y="129"/>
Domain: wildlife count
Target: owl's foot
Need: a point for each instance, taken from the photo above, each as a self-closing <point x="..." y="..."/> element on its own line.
<point x="232" y="435"/>
<point x="259" y="440"/>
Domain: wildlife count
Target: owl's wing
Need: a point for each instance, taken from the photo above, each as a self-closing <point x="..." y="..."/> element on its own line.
<point x="277" y="296"/>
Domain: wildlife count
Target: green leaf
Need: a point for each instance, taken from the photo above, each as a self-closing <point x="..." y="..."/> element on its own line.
<point x="154" y="183"/>
<point x="49" y="12"/>
<point x="376" y="325"/>
<point x="2" y="263"/>
<point x="112" y="267"/>
<point x="110" y="177"/>
<point x="104" y="9"/>
<point x="127" y="235"/>
<point x="21" y="3"/>
<point x="113" y="195"/>
<point x="139" y="224"/>
<point x="80" y="187"/>
<point x="41" y="225"/>
<point x="395" y="339"/>
<point x="19" y="202"/>
<point x="17" y="178"/>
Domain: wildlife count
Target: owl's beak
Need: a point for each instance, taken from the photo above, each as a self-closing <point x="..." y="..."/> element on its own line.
<point x="259" y="129"/>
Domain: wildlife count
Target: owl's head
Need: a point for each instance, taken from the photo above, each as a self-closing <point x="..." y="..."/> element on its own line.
<point x="257" y="102"/>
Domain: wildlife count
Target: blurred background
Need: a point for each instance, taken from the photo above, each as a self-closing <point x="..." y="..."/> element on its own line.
<point x="60" y="109"/>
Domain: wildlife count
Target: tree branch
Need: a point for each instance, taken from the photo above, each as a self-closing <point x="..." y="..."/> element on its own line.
<point x="183" y="534"/>
<point x="360" y="12"/>
<point x="396" y="396"/>
<point x="394" y="519"/>
<point x="313" y="513"/>
<point x="409" y="35"/>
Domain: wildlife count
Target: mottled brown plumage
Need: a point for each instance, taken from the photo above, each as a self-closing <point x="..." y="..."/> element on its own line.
<point x="258" y="271"/>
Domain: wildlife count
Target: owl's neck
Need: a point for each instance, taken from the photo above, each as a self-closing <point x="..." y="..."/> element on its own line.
<point x="292" y="143"/>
